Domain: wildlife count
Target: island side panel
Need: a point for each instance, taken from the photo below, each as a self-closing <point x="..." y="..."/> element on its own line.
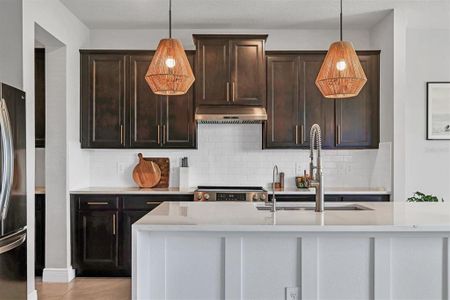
<point x="250" y="265"/>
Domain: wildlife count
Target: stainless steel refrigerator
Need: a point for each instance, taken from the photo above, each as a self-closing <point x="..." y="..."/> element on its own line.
<point x="13" y="208"/>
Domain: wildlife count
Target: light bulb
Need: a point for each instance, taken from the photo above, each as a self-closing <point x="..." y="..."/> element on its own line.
<point x="170" y="62"/>
<point x="341" y="65"/>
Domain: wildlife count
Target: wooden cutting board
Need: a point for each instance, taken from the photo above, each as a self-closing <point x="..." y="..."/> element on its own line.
<point x="146" y="174"/>
<point x="164" y="166"/>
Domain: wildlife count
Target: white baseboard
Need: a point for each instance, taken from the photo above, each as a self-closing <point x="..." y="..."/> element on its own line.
<point x="58" y="275"/>
<point x="33" y="295"/>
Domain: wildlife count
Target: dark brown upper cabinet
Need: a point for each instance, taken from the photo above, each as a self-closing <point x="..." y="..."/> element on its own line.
<point x="357" y="119"/>
<point x="294" y="104"/>
<point x="103" y="96"/>
<point x="230" y="69"/>
<point x="39" y="96"/>
<point x="119" y="110"/>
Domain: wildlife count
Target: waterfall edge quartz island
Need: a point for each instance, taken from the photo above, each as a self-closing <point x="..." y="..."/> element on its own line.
<point x="214" y="250"/>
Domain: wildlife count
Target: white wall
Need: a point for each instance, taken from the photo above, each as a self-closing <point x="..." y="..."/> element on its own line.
<point x="427" y="162"/>
<point x="277" y="40"/>
<point x="11" y="45"/>
<point x="61" y="25"/>
<point x="231" y="154"/>
<point x="236" y="157"/>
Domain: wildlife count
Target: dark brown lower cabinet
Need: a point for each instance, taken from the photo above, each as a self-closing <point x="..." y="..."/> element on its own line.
<point x="333" y="198"/>
<point x="98" y="242"/>
<point x="39" y="237"/>
<point x="101" y="230"/>
<point x="129" y="217"/>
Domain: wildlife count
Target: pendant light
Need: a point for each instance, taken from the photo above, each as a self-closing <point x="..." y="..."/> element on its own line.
<point x="169" y="72"/>
<point x="341" y="75"/>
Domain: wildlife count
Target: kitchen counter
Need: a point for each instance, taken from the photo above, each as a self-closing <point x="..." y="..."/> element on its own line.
<point x="176" y="190"/>
<point x="225" y="216"/>
<point x="39" y="190"/>
<point x="132" y="190"/>
<point x="205" y="250"/>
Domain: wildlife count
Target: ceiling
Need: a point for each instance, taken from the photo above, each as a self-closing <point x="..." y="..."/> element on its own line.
<point x="240" y="14"/>
<point x="229" y="14"/>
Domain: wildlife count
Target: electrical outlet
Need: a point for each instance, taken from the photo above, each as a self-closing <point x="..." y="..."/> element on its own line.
<point x="292" y="293"/>
<point x="120" y="168"/>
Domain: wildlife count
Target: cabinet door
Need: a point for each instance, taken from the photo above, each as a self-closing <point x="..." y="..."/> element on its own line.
<point x="128" y="218"/>
<point x="97" y="243"/>
<point x="313" y="107"/>
<point x="357" y="119"/>
<point x="145" y="106"/>
<point x="39" y="236"/>
<point x="247" y="60"/>
<point x="39" y="96"/>
<point x="103" y="100"/>
<point x="281" y="128"/>
<point x="178" y="123"/>
<point x="212" y="74"/>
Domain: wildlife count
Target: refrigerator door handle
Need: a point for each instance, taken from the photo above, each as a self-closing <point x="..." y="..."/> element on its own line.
<point x="7" y="160"/>
<point x="13" y="241"/>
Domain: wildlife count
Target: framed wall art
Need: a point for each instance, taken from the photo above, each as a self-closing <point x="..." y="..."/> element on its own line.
<point x="438" y="110"/>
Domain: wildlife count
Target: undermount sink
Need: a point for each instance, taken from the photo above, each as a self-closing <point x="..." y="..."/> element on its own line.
<point x="345" y="207"/>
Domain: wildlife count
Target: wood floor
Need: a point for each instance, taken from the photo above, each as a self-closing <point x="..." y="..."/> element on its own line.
<point x="84" y="288"/>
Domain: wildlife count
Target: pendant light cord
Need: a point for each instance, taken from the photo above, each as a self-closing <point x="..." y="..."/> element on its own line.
<point x="340" y="21"/>
<point x="170" y="19"/>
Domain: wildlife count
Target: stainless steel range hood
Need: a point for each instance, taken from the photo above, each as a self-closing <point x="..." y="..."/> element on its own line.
<point x="230" y="114"/>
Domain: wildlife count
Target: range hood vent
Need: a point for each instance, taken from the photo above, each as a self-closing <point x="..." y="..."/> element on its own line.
<point x="230" y="114"/>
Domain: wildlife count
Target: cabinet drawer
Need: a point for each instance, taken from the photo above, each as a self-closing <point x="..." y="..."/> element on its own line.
<point x="140" y="203"/>
<point x="98" y="202"/>
<point x="148" y="202"/>
<point x="365" y="198"/>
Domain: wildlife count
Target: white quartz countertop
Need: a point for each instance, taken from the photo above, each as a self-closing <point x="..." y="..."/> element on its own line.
<point x="132" y="190"/>
<point x="334" y="190"/>
<point x="176" y="190"/>
<point x="225" y="216"/>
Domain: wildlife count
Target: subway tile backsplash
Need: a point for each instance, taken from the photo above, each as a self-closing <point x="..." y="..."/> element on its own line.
<point x="231" y="154"/>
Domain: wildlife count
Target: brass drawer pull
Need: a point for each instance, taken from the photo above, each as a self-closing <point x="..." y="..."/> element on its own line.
<point x="121" y="134"/>
<point x="338" y="135"/>
<point x="153" y="203"/>
<point x="296" y="134"/>
<point x="164" y="134"/>
<point x="114" y="224"/>
<point x="302" y="134"/>
<point x="97" y="203"/>
<point x="232" y="91"/>
<point x="228" y="92"/>
<point x="159" y="134"/>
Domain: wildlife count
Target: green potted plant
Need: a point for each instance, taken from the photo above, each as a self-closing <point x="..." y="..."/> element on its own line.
<point x="421" y="197"/>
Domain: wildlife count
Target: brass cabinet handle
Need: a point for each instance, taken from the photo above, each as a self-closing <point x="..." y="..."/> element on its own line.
<point x="159" y="134"/>
<point x="296" y="134"/>
<point x="232" y="91"/>
<point x="302" y="134"/>
<point x="228" y="92"/>
<point x="164" y="134"/>
<point x="121" y="134"/>
<point x="114" y="224"/>
<point x="338" y="134"/>
<point x="153" y="203"/>
<point x="97" y="203"/>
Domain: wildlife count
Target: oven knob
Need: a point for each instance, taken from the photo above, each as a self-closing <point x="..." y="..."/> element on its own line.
<point x="199" y="196"/>
<point x="263" y="197"/>
<point x="255" y="197"/>
<point x="206" y="196"/>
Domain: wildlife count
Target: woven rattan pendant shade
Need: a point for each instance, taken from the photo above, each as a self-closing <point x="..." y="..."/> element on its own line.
<point x="169" y="72"/>
<point x="341" y="74"/>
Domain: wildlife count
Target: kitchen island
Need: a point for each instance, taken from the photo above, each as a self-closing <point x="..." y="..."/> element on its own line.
<point x="205" y="250"/>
